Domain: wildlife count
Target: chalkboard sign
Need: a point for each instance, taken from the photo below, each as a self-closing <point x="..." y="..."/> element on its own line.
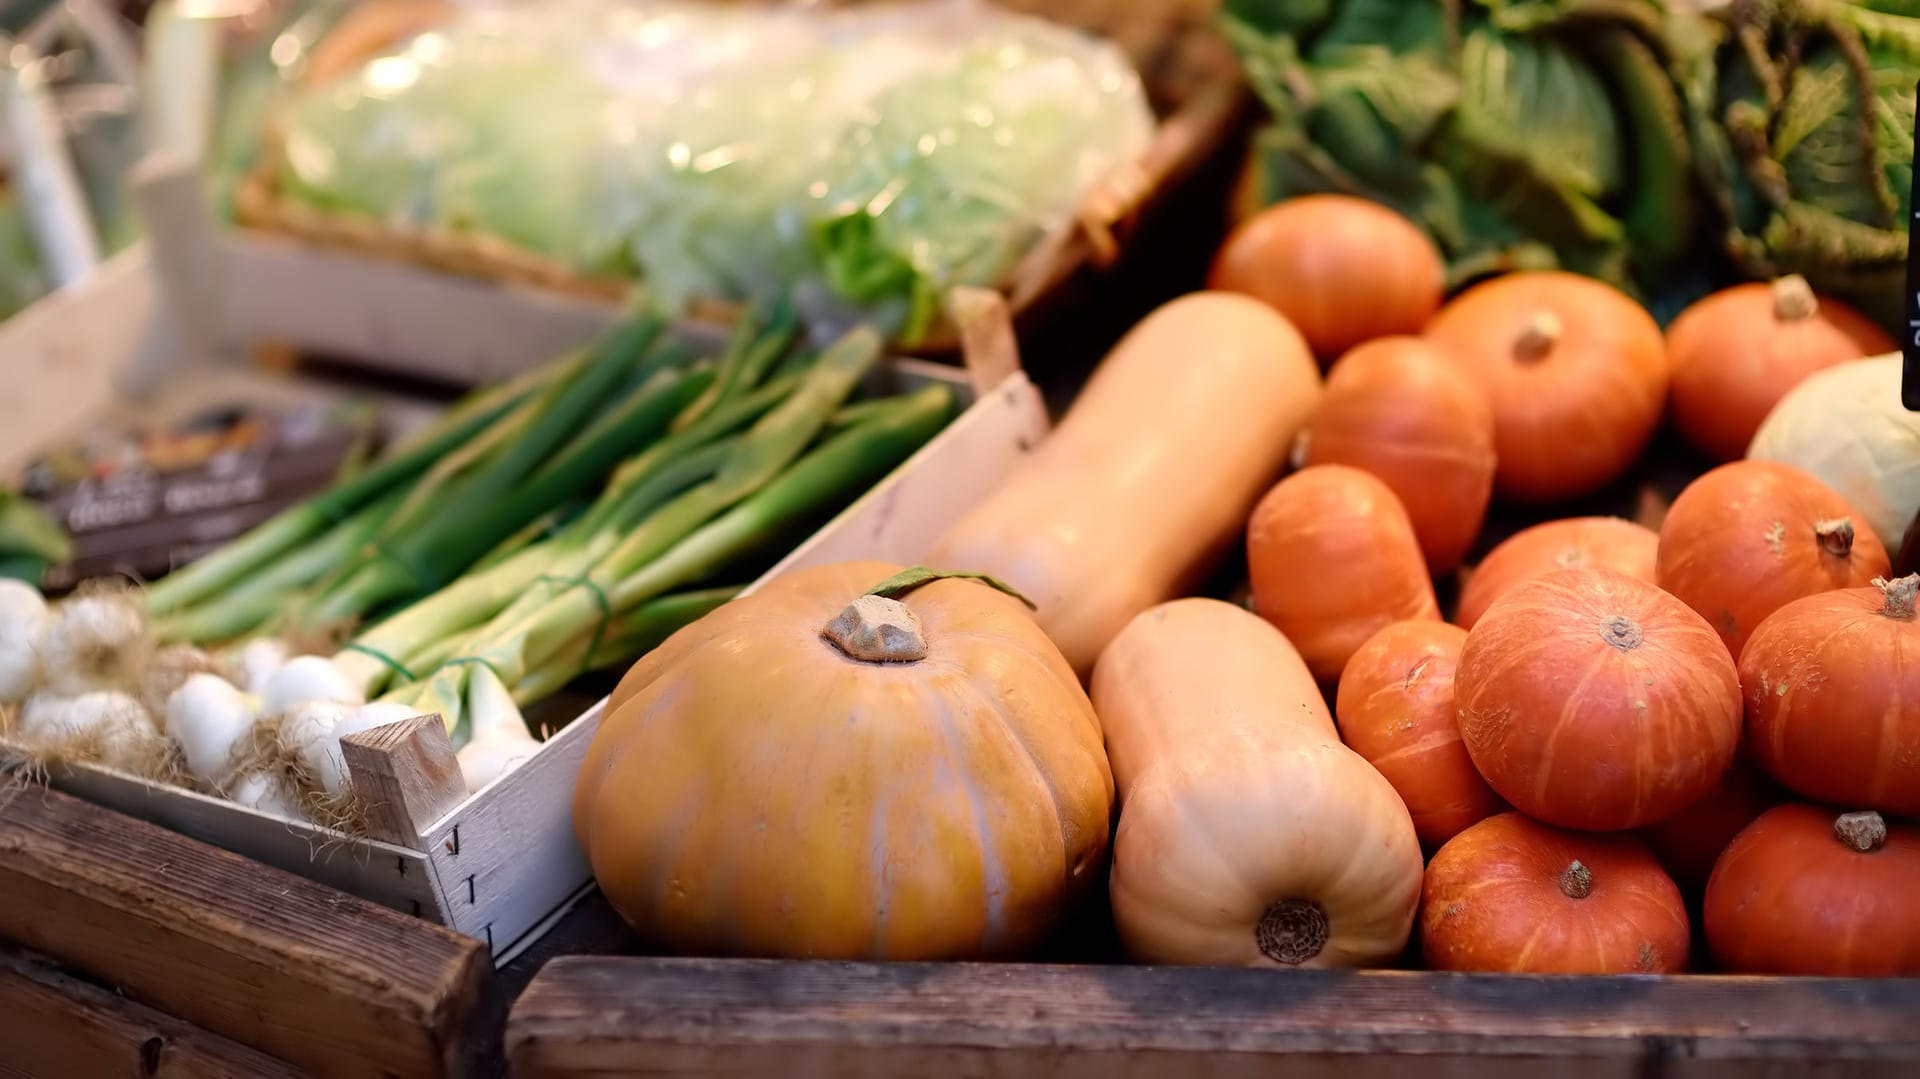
<point x="1910" y="341"/>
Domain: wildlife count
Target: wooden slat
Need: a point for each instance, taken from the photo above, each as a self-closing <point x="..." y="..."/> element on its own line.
<point x="314" y="976"/>
<point x="602" y="1016"/>
<point x="55" y="1026"/>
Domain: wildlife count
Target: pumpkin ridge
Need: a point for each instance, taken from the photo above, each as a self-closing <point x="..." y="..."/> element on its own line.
<point x="994" y="881"/>
<point x="1062" y="822"/>
<point x="1085" y="715"/>
<point x="1542" y="786"/>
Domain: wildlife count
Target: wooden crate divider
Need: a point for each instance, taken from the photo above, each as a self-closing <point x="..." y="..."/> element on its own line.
<point x="313" y="976"/>
<point x="608" y="1016"/>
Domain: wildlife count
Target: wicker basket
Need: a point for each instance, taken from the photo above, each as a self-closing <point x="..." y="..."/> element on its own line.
<point x="1193" y="82"/>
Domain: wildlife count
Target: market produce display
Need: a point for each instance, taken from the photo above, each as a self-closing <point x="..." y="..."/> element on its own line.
<point x="556" y="524"/>
<point x="863" y="159"/>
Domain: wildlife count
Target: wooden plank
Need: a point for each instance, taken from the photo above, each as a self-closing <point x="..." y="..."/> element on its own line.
<point x="291" y="968"/>
<point x="56" y="1026"/>
<point x="601" y="1016"/>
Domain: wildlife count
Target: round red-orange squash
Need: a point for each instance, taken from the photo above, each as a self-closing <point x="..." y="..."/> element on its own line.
<point x="1592" y="700"/>
<point x="1819" y="892"/>
<point x="1690" y="841"/>
<point x="1513" y="895"/>
<point x="1736" y="353"/>
<point x="1572" y="543"/>
<point x="1576" y="373"/>
<point x="1342" y="269"/>
<point x="1750" y="537"/>
<point x="1395" y="708"/>
<point x="813" y="771"/>
<point x="1832" y="686"/>
<point x="1396" y="408"/>
<point x="1333" y="558"/>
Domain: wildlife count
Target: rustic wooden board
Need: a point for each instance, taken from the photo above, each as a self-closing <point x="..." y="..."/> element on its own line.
<point x="595" y="1016"/>
<point x="314" y="976"/>
<point x="55" y="1026"/>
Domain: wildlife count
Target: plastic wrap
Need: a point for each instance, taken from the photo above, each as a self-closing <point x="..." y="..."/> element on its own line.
<point x="863" y="158"/>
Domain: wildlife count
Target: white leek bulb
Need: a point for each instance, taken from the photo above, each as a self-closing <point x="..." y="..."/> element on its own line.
<point x="501" y="741"/>
<point x="259" y="661"/>
<point x="325" y="757"/>
<point x="209" y="719"/>
<point x="305" y="679"/>
<point x="95" y="642"/>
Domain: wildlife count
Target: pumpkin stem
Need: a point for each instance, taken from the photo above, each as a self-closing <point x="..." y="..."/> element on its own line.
<point x="1292" y="931"/>
<point x="1836" y="536"/>
<point x="909" y="579"/>
<point x="1793" y="299"/>
<point x="1621" y="632"/>
<point x="1541" y="333"/>
<point x="1863" y="832"/>
<point x="1900" y="596"/>
<point x="1577" y="881"/>
<point x="875" y="629"/>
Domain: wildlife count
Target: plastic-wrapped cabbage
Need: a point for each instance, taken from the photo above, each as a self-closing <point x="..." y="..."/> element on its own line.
<point x="863" y="159"/>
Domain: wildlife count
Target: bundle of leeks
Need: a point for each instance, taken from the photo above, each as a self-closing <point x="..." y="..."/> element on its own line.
<point x="562" y="522"/>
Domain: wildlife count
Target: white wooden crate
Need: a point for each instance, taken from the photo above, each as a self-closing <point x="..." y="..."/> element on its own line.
<point x="157" y="331"/>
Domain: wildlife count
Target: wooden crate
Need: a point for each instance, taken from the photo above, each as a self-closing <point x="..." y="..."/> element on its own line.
<point x="496" y="865"/>
<point x="686" y="1017"/>
<point x="1193" y="82"/>
<point x="204" y="964"/>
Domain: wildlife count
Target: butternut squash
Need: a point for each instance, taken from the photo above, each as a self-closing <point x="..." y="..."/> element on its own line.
<point x="1148" y="477"/>
<point x="1249" y="836"/>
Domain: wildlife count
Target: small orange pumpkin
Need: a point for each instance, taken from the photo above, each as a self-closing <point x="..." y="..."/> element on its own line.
<point x="1333" y="558"/>
<point x="818" y="770"/>
<point x="1748" y="538"/>
<point x="1395" y="708"/>
<point x="1396" y="408"/>
<point x="1515" y="896"/>
<point x="1811" y="891"/>
<point x="1595" y="701"/>
<point x="1574" y="543"/>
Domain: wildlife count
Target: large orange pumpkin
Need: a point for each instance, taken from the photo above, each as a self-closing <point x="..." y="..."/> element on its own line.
<point x="1395" y="708"/>
<point x="1515" y="896"/>
<point x="1832" y="686"/>
<point x="1576" y="373"/>
<point x="1333" y="558"/>
<point x="1396" y="408"/>
<point x="1593" y="700"/>
<point x="1812" y="891"/>
<point x="1573" y="543"/>
<point x="1747" y="538"/>
<point x="812" y="771"/>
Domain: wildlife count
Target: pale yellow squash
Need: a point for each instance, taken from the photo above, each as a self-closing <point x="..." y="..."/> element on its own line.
<point x="1150" y="475"/>
<point x="1249" y="836"/>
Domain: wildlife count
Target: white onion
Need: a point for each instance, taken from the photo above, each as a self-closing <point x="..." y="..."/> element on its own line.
<point x="95" y="642"/>
<point x="259" y="660"/>
<point x="208" y="717"/>
<point x="308" y="732"/>
<point x="114" y="724"/>
<point x="23" y="620"/>
<point x="305" y="679"/>
<point x="263" y="792"/>
<point x="501" y="741"/>
<point x="1845" y="425"/>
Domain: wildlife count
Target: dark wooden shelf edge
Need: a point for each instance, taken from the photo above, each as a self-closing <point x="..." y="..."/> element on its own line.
<point x="594" y="1016"/>
<point x="55" y="1025"/>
